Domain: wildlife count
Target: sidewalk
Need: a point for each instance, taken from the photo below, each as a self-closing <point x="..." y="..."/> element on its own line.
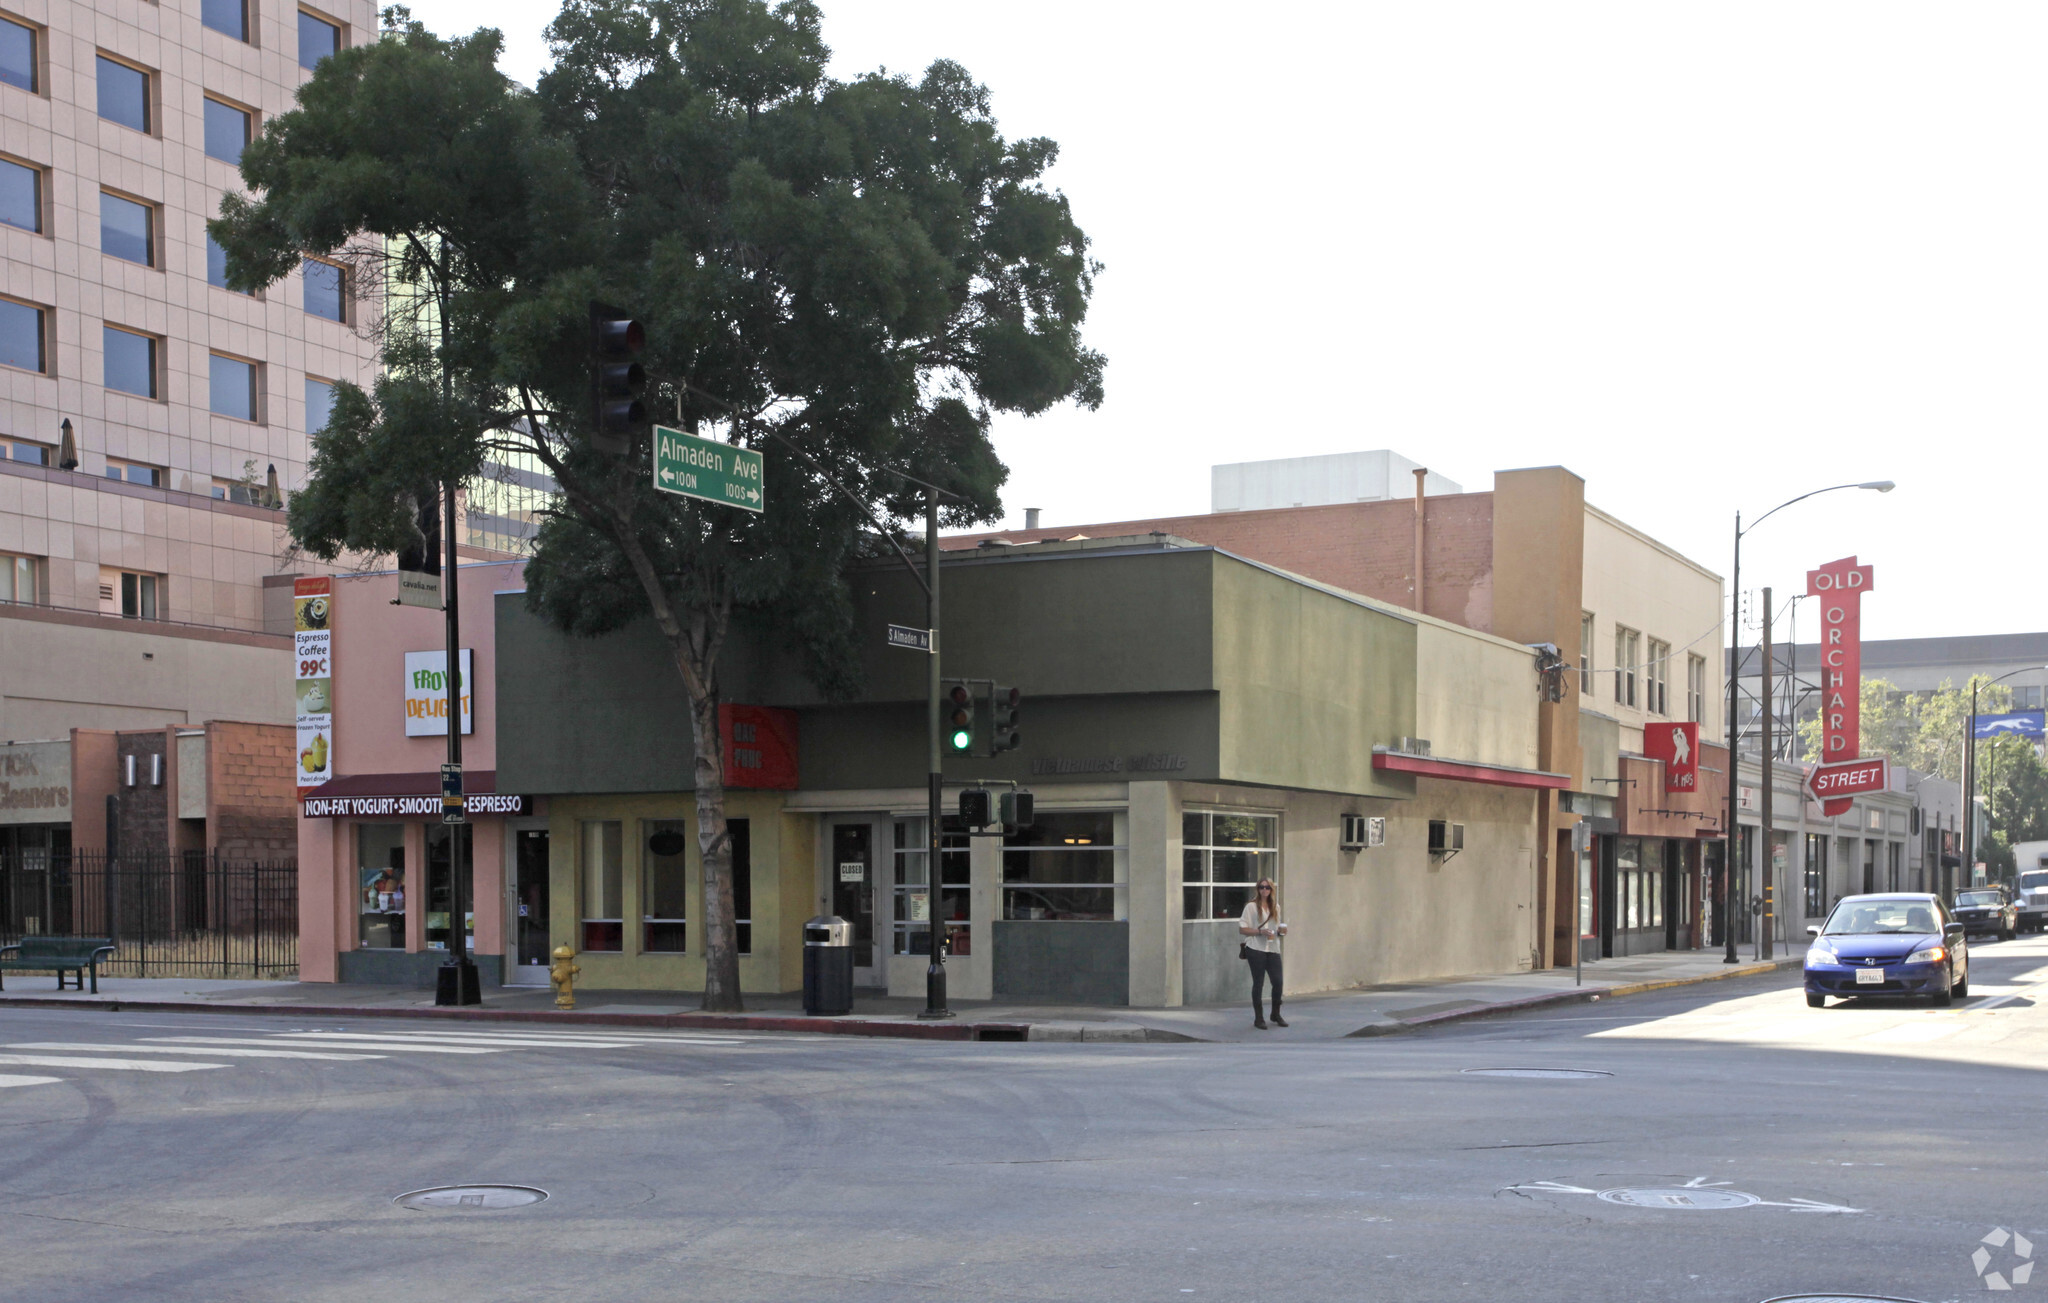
<point x="1371" y="1011"/>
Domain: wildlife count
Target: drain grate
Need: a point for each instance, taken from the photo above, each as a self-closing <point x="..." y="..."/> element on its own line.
<point x="470" y="1198"/>
<point x="1680" y="1199"/>
<point x="1552" y="1074"/>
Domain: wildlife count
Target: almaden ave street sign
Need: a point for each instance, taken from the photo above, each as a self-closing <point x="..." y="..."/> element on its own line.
<point x="706" y="468"/>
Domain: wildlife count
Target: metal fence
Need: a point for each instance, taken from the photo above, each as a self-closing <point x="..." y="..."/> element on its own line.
<point x="187" y="914"/>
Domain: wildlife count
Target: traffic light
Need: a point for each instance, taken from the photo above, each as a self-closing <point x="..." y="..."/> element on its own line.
<point x="616" y="379"/>
<point x="1004" y="707"/>
<point x="975" y="809"/>
<point x="960" y="719"/>
<point x="1015" y="810"/>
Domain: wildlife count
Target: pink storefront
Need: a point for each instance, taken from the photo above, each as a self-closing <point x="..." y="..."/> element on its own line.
<point x="374" y="855"/>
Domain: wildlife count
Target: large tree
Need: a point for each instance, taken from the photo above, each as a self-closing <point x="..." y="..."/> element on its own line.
<point x="851" y="276"/>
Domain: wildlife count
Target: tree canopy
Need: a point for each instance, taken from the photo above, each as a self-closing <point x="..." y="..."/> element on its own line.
<point x="851" y="276"/>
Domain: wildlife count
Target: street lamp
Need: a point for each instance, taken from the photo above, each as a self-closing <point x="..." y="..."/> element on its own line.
<point x="1970" y="768"/>
<point x="1735" y="788"/>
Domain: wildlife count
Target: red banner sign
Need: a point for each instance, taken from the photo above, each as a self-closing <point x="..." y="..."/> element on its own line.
<point x="1836" y="783"/>
<point x="760" y="746"/>
<point x="1840" y="586"/>
<point x="1678" y="746"/>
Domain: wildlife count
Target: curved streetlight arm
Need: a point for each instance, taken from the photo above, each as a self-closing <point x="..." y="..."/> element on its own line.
<point x="1880" y="486"/>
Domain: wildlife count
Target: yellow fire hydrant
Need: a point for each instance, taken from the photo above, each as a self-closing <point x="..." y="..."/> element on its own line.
<point x="563" y="975"/>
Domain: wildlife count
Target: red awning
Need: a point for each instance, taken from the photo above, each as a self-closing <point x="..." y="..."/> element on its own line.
<point x="1466" y="771"/>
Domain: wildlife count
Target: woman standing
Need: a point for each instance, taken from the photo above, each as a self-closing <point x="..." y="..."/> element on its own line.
<point x="1261" y="928"/>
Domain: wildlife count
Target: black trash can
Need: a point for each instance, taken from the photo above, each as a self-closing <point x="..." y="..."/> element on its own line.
<point x="828" y="966"/>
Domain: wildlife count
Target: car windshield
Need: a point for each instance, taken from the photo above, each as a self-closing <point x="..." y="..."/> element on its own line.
<point x="1853" y="917"/>
<point x="2036" y="878"/>
<point x="1969" y="898"/>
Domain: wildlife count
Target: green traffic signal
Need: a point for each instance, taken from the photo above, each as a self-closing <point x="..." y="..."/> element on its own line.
<point x="962" y="739"/>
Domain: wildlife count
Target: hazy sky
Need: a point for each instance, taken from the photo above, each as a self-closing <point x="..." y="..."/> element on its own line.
<point x="1707" y="256"/>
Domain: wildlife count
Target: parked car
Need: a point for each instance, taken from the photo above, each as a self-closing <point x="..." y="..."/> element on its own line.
<point x="1899" y="943"/>
<point x="2031" y="895"/>
<point x="1987" y="911"/>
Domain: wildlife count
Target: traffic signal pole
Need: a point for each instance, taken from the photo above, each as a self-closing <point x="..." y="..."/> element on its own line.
<point x="935" y="970"/>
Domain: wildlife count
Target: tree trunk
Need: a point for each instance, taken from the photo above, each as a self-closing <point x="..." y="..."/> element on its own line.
<point x="714" y="849"/>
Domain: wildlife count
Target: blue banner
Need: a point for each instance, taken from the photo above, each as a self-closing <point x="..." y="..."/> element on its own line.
<point x="2031" y="724"/>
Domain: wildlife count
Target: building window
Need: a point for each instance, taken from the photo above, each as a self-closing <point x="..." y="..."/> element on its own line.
<point x="231" y="387"/>
<point x="1585" y="652"/>
<point x="127" y="229"/>
<point x="18" y="55"/>
<point x="1639" y="883"/>
<point x="1066" y="866"/>
<point x="35" y="454"/>
<point x="20" y="578"/>
<point x="323" y="285"/>
<point x="911" y="916"/>
<point x="1628" y="645"/>
<point x="21" y="335"/>
<point x="1696" y="688"/>
<point x="664" y="908"/>
<point x="21" y="195"/>
<point x="134" y="473"/>
<point x="1222" y="857"/>
<point x="234" y="491"/>
<point x="380" y="878"/>
<point x="319" y="404"/>
<point x="130" y="595"/>
<point x="440" y="887"/>
<point x="318" y="38"/>
<point x="130" y="361"/>
<point x="1656" y="679"/>
<point x="1816" y="874"/>
<point x="1896" y="866"/>
<point x="604" y="913"/>
<point x="227" y="131"/>
<point x="123" y="94"/>
<point x="228" y="17"/>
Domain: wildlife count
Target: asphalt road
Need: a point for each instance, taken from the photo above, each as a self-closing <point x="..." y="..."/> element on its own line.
<point x="1771" y="1150"/>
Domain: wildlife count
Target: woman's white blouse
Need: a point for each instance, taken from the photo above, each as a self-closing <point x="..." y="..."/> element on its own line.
<point x="1251" y="919"/>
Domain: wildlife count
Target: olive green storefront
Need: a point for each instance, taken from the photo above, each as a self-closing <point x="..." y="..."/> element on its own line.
<point x="1192" y="721"/>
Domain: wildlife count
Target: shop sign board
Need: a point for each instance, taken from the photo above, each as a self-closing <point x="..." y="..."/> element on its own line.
<point x="1678" y="746"/>
<point x="710" y="469"/>
<point x="426" y="694"/>
<point x="760" y="746"/>
<point x="35" y="782"/>
<point x="1840" y="586"/>
<point x="2029" y="724"/>
<point x="1834" y="784"/>
<point x="417" y="806"/>
<point x="313" y="657"/>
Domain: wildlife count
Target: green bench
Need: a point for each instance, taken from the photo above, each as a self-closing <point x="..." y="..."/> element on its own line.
<point x="75" y="955"/>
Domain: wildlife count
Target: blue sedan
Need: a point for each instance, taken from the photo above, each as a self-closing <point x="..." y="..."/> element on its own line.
<point x="1895" y="944"/>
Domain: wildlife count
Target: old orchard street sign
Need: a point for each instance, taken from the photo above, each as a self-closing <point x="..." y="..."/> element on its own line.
<point x="708" y="469"/>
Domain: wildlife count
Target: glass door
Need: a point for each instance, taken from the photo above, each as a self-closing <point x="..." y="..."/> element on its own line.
<point x="853" y="894"/>
<point x="529" y="907"/>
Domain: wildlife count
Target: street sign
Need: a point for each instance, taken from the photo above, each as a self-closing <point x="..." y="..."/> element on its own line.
<point x="696" y="467"/>
<point x="451" y="793"/>
<point x="902" y="635"/>
<point x="1848" y="778"/>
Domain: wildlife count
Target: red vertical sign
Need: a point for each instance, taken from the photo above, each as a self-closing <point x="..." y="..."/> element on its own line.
<point x="1678" y="746"/>
<point x="1840" y="586"/>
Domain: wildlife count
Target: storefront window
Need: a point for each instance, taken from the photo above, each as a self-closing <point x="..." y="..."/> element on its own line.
<point x="440" y="837"/>
<point x="603" y="916"/>
<point x="1639" y="882"/>
<point x="663" y="925"/>
<point x="1816" y="874"/>
<point x="913" y="934"/>
<point x="380" y="882"/>
<point x="1223" y="856"/>
<point x="1065" y="866"/>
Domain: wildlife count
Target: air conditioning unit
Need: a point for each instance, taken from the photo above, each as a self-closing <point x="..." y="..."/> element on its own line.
<point x="1446" y="838"/>
<point x="1359" y="832"/>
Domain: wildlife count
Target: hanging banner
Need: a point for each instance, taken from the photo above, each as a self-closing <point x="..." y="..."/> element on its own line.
<point x="1678" y="746"/>
<point x="1840" y="586"/>
<point x="313" y="655"/>
<point x="419" y="567"/>
<point x="2029" y="724"/>
<point x="426" y="694"/>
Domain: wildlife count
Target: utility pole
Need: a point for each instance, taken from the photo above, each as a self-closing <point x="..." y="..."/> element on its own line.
<point x="935" y="971"/>
<point x="456" y="983"/>
<point x="1769" y="840"/>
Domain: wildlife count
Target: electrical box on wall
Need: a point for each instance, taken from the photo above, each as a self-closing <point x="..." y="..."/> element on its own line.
<point x="1446" y="838"/>
<point x="1359" y="832"/>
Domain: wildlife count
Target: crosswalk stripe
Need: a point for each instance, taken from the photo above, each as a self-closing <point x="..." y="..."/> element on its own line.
<point x="608" y="1041"/>
<point x="419" y="1038"/>
<point x="380" y="1045"/>
<point x="167" y="1049"/>
<point x="7" y="1080"/>
<point x="126" y="1065"/>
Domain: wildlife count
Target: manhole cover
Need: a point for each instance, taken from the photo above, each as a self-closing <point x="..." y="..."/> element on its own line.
<point x="1680" y="1199"/>
<point x="467" y="1198"/>
<point x="1554" y="1074"/>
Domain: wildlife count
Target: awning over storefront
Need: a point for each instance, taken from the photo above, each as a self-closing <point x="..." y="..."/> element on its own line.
<point x="370" y="796"/>
<point x="1465" y="771"/>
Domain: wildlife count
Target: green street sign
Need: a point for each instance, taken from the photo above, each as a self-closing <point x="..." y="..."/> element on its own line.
<point x="706" y="468"/>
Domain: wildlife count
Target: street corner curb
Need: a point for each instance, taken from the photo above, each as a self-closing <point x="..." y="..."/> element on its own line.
<point x="1381" y="1027"/>
<point x="1579" y="995"/>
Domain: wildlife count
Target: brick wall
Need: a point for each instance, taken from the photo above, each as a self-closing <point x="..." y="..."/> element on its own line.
<point x="143" y="821"/>
<point x="251" y="798"/>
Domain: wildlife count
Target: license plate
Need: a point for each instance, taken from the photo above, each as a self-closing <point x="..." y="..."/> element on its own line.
<point x="1870" y="977"/>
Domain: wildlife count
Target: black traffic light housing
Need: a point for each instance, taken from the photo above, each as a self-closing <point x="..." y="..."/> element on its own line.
<point x="960" y="709"/>
<point x="977" y="808"/>
<point x="616" y="378"/>
<point x="1005" y="707"/>
<point x="1015" y="810"/>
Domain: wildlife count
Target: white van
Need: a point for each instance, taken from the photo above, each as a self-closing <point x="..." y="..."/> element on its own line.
<point x="2030" y="893"/>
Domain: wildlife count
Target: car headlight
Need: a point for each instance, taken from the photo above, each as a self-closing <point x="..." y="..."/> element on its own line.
<point x="1821" y="955"/>
<point x="1931" y="955"/>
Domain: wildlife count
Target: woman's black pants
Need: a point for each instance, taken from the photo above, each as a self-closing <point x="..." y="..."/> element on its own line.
<point x="1265" y="964"/>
